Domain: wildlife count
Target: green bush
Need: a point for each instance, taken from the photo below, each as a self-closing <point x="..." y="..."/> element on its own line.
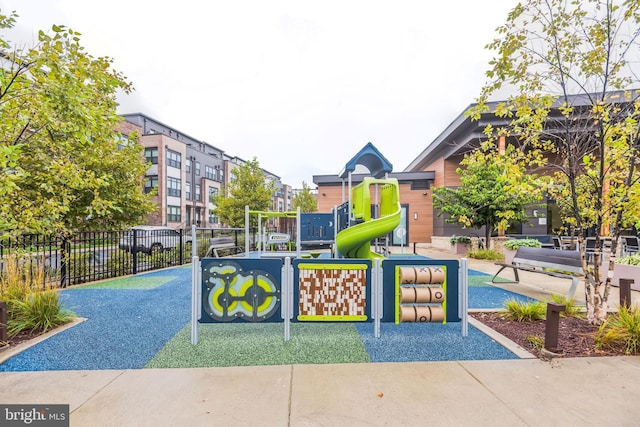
<point x="40" y="310"/>
<point x="488" y="254"/>
<point x="621" y="330"/>
<point x="32" y="302"/>
<point x="629" y="260"/>
<point x="517" y="243"/>
<point x="459" y="239"/>
<point x="571" y="309"/>
<point x="524" y="311"/>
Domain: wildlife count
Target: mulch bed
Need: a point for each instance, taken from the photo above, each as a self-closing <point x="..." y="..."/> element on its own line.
<point x="576" y="337"/>
<point x="23" y="336"/>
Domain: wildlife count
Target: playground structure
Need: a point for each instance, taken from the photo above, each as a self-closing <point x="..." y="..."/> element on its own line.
<point x="279" y="282"/>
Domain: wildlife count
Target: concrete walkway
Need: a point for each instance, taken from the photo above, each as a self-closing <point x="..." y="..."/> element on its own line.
<point x="571" y="392"/>
<point x="527" y="392"/>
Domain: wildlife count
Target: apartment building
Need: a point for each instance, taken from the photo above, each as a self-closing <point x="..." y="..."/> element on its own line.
<point x="185" y="171"/>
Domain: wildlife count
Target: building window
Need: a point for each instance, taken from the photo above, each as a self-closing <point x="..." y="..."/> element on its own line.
<point x="174" y="159"/>
<point x="187" y="190"/>
<point x="151" y="155"/>
<point x="173" y="186"/>
<point x="198" y="194"/>
<point x="221" y="175"/>
<point x="150" y="182"/>
<point x="197" y="168"/>
<point x="123" y="141"/>
<point x="212" y="192"/>
<point x="213" y="219"/>
<point x="209" y="172"/>
<point x="187" y="165"/>
<point x="173" y="214"/>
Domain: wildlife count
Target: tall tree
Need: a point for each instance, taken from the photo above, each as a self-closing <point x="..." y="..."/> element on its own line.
<point x="305" y="200"/>
<point x="490" y="192"/>
<point x="248" y="187"/>
<point x="576" y="58"/>
<point x="64" y="166"/>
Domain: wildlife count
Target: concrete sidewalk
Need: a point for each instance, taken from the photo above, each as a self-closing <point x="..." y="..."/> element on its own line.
<point x="581" y="391"/>
<point x="526" y="392"/>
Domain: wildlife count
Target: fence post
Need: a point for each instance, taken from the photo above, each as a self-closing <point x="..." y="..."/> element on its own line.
<point x="64" y="263"/>
<point x="181" y="246"/>
<point x="134" y="252"/>
<point x="3" y="322"/>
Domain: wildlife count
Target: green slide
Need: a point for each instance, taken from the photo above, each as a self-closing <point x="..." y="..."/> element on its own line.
<point x="355" y="241"/>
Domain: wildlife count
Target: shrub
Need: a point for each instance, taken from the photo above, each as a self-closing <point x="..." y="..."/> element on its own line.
<point x="459" y="239"/>
<point x="535" y="341"/>
<point x="524" y="311"/>
<point x="40" y="310"/>
<point x="489" y="254"/>
<point x="517" y="243"/>
<point x="571" y="309"/>
<point x="621" y="329"/>
<point x="31" y="302"/>
<point x="629" y="260"/>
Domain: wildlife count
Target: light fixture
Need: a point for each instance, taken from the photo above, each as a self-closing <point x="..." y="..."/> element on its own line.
<point x="415" y="216"/>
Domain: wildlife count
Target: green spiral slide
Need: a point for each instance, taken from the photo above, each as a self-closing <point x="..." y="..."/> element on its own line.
<point x="355" y="241"/>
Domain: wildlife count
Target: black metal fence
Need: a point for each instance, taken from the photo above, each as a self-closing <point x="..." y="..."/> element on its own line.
<point x="97" y="255"/>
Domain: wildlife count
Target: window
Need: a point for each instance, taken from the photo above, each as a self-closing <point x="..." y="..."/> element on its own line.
<point x="212" y="192"/>
<point x="209" y="172"/>
<point x="150" y="182"/>
<point x="173" y="186"/>
<point x="151" y="155"/>
<point x="213" y="218"/>
<point x="123" y="141"/>
<point x="173" y="214"/>
<point x="187" y="191"/>
<point x="174" y="159"/>
<point x="198" y="194"/>
<point x="221" y="175"/>
<point x="197" y="168"/>
<point x="187" y="165"/>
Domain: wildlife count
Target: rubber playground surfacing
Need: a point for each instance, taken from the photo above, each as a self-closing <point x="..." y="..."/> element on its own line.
<point x="144" y="322"/>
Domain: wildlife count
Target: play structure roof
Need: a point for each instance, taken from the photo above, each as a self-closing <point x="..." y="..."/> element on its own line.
<point x="372" y="159"/>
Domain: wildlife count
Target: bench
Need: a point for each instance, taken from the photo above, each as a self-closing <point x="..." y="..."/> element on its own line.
<point x="566" y="265"/>
<point x="221" y="244"/>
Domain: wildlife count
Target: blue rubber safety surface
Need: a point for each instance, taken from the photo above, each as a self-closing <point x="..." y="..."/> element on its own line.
<point x="125" y="328"/>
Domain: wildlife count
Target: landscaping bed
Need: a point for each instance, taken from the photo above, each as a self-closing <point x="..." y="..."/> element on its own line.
<point x="576" y="337"/>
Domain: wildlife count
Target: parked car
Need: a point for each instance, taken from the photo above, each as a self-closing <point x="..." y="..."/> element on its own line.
<point x="151" y="239"/>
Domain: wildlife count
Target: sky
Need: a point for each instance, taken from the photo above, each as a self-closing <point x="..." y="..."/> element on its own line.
<point x="300" y="85"/>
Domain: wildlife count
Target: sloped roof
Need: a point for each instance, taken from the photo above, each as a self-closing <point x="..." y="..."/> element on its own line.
<point x="372" y="159"/>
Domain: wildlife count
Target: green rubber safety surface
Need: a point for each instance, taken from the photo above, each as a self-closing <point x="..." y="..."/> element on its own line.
<point x="144" y="282"/>
<point x="254" y="344"/>
<point x="484" y="280"/>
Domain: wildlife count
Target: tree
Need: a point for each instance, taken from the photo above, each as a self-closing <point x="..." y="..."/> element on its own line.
<point x="570" y="65"/>
<point x="248" y="187"/>
<point x="305" y="200"/>
<point x="64" y="166"/>
<point x="491" y="193"/>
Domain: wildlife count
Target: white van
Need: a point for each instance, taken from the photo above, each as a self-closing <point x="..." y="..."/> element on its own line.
<point x="152" y="239"/>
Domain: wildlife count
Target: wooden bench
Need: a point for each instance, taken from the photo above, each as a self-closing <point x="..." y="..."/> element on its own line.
<point x="222" y="244"/>
<point x="552" y="262"/>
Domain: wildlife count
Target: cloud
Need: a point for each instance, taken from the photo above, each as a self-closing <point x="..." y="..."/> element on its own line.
<point x="302" y="86"/>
